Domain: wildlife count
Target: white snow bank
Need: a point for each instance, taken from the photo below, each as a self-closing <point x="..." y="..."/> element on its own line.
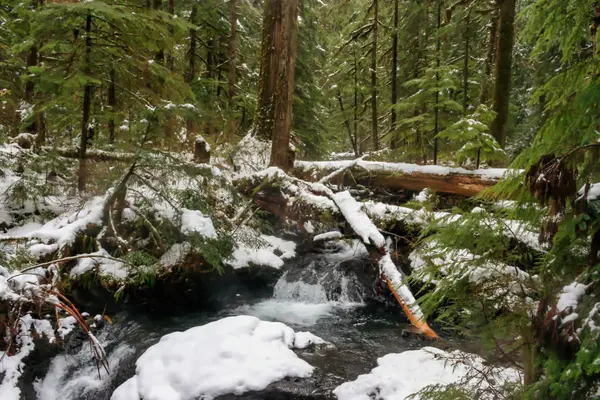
<point x="263" y="253"/>
<point x="401" y="375"/>
<point x="231" y="355"/>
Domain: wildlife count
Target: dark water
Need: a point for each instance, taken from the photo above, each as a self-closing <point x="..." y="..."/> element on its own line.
<point x="320" y="294"/>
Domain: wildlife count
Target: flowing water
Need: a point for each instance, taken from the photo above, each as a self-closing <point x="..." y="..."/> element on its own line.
<point x="323" y="293"/>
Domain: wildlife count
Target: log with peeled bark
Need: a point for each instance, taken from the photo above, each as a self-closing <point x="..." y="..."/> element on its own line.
<point x="394" y="176"/>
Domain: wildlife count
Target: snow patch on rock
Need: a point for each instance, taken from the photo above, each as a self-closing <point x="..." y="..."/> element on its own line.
<point x="399" y="376"/>
<point x="231" y="355"/>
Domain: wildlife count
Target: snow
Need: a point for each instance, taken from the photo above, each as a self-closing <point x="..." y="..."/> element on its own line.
<point x="399" y="376"/>
<point x="593" y="193"/>
<point x="303" y="340"/>
<point x="569" y="296"/>
<point x="66" y="326"/>
<point x="195" y="221"/>
<point x="308" y="227"/>
<point x="328" y="236"/>
<point x="63" y="229"/>
<point x="358" y="220"/>
<point x="175" y="255"/>
<point x="570" y="318"/>
<point x="231" y="355"/>
<point x="11" y="366"/>
<point x="104" y="266"/>
<point x="263" y="253"/>
<point x="423" y="196"/>
<point x="251" y="154"/>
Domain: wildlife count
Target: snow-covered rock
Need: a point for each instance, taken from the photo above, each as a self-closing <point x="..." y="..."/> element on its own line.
<point x="231" y="355"/>
<point x="398" y="376"/>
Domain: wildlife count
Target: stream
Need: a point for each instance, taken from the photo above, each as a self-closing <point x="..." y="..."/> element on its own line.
<point x="323" y="292"/>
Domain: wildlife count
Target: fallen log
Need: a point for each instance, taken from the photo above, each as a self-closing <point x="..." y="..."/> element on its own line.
<point x="362" y="225"/>
<point x="296" y="198"/>
<point x="394" y="176"/>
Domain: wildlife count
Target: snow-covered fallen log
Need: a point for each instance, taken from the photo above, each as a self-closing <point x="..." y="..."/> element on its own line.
<point x="393" y="176"/>
<point x="376" y="244"/>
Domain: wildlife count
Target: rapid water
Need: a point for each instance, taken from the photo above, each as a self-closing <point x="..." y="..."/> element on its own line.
<point x="323" y="294"/>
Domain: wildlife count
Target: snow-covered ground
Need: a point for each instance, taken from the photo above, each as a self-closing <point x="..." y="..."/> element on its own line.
<point x="399" y="376"/>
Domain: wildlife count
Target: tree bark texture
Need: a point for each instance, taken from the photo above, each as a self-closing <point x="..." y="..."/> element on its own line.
<point x="504" y="56"/>
<point x="281" y="155"/>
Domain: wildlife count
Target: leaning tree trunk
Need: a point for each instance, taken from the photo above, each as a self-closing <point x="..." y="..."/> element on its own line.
<point x="506" y="33"/>
<point x="284" y="92"/>
<point x="87" y="98"/>
<point x="374" y="117"/>
<point x="393" y="138"/>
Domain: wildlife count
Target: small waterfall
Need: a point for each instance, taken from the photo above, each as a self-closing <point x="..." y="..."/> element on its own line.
<point x="314" y="287"/>
<point x="332" y="276"/>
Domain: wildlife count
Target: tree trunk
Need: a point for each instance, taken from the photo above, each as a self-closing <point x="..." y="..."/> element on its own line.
<point x="170" y="10"/>
<point x="160" y="55"/>
<point x="87" y="98"/>
<point x="232" y="66"/>
<point x="268" y="69"/>
<point x="191" y="73"/>
<point x="356" y="139"/>
<point x="489" y="61"/>
<point x="393" y="138"/>
<point x="280" y="150"/>
<point x="436" y="110"/>
<point x="506" y="32"/>
<point x="466" y="65"/>
<point x="112" y="102"/>
<point x="374" y="133"/>
<point x="347" y="123"/>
